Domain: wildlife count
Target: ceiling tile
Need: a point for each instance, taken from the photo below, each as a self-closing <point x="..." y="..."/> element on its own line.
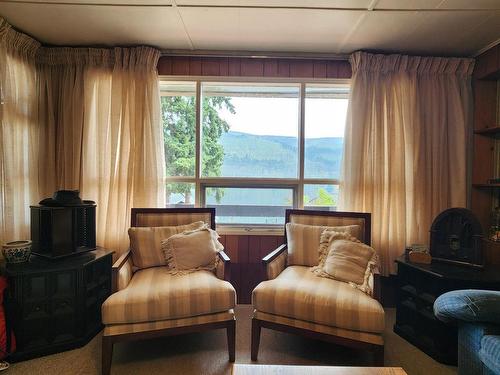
<point x="438" y="4"/>
<point x="100" y="2"/>
<point x="407" y="4"/>
<point x="98" y="25"/>
<point x="436" y="33"/>
<point x="468" y="4"/>
<point x="352" y="4"/>
<point x="267" y="29"/>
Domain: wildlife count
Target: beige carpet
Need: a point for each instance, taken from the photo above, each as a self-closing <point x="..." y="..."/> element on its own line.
<point x="206" y="353"/>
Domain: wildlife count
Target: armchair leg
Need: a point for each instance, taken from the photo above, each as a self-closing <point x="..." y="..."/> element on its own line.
<point x="255" y="339"/>
<point x="378" y="356"/>
<point x="107" y="355"/>
<point x="231" y="340"/>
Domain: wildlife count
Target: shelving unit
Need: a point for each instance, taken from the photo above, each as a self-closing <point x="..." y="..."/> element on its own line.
<point x="486" y="146"/>
<point x="493" y="132"/>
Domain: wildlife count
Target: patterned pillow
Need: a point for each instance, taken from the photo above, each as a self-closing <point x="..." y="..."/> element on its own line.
<point x="304" y="240"/>
<point x="192" y="250"/>
<point x="145" y="243"/>
<point x="346" y="259"/>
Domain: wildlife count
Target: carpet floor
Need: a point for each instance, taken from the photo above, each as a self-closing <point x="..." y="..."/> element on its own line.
<point x="206" y="353"/>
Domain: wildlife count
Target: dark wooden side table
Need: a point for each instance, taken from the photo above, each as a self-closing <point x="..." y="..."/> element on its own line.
<point x="55" y="305"/>
<point x="418" y="286"/>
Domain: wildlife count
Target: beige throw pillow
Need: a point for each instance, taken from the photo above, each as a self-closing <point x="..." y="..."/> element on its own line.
<point x="192" y="250"/>
<point x="304" y="240"/>
<point x="145" y="243"/>
<point x="346" y="259"/>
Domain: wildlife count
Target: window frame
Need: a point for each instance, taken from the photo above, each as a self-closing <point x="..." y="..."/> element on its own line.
<point x="297" y="184"/>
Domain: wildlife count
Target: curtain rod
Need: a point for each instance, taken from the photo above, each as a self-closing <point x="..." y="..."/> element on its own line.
<point x="255" y="54"/>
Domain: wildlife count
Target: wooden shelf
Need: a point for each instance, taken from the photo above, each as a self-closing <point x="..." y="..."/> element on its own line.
<point x="493" y="132"/>
<point x="494" y="243"/>
<point x="486" y="186"/>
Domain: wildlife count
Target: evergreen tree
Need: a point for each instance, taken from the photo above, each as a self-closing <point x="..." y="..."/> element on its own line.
<point x="179" y="124"/>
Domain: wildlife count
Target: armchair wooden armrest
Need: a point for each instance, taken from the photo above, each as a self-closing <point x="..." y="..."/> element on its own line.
<point x="226" y="266"/>
<point x="270" y="258"/>
<point x="117" y="268"/>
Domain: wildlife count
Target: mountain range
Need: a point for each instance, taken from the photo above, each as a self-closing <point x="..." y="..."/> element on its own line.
<point x="267" y="156"/>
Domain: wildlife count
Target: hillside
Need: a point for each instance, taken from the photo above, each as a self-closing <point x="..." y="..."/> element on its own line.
<point x="248" y="155"/>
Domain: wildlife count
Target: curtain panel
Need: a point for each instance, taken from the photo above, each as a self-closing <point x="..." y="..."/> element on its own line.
<point x="104" y="114"/>
<point x="405" y="146"/>
<point x="91" y="121"/>
<point x="21" y="178"/>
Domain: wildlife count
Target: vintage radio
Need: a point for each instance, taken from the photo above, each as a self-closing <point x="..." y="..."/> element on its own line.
<point x="456" y="237"/>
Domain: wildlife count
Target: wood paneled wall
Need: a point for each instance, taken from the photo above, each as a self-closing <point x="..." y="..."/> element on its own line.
<point x="253" y="67"/>
<point x="246" y="253"/>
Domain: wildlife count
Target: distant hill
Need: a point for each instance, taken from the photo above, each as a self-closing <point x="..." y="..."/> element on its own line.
<point x="248" y="155"/>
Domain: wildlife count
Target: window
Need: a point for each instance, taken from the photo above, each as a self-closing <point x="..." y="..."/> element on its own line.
<point x="253" y="149"/>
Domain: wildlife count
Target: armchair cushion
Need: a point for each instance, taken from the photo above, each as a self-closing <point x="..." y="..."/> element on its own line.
<point x="192" y="250"/>
<point x="304" y="240"/>
<point x="297" y="293"/>
<point x="155" y="294"/>
<point x="145" y="243"/>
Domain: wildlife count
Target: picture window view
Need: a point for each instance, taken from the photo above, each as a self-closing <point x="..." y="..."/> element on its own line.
<point x="250" y="159"/>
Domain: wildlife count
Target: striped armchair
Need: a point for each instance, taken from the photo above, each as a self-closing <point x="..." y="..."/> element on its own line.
<point x="150" y="302"/>
<point x="292" y="299"/>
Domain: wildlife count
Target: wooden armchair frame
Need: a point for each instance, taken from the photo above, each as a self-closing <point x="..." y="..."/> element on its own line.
<point x="257" y="324"/>
<point x="229" y="325"/>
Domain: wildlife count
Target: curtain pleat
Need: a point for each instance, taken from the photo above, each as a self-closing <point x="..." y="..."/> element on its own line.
<point x="405" y="144"/>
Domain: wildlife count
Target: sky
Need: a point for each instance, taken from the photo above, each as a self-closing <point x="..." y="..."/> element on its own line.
<point x="279" y="116"/>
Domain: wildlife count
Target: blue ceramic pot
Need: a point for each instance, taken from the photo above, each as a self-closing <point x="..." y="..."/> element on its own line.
<point x="16" y="251"/>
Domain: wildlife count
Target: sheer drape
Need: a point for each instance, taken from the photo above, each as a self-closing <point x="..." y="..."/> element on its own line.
<point x="405" y="145"/>
<point x="108" y="136"/>
<point x="78" y="118"/>
<point x="20" y="181"/>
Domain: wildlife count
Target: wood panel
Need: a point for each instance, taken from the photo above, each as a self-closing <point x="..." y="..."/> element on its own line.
<point x="487" y="64"/>
<point x="253" y="67"/>
<point x="491" y="253"/>
<point x="485" y="103"/>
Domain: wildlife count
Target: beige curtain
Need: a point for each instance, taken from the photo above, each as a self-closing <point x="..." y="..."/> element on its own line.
<point x="21" y="184"/>
<point x="78" y="118"/>
<point x="103" y="110"/>
<point x="406" y="138"/>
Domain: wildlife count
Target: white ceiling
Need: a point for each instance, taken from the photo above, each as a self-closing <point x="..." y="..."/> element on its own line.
<point x="436" y="27"/>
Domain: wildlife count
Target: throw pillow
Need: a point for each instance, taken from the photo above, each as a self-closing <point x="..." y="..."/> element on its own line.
<point x="346" y="259"/>
<point x="304" y="240"/>
<point x="145" y="243"/>
<point x="192" y="250"/>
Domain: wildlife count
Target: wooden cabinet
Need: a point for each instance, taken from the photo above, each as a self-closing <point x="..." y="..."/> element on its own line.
<point x="418" y="286"/>
<point x="56" y="305"/>
<point x="485" y="195"/>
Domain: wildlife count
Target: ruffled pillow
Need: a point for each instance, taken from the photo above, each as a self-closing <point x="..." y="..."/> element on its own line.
<point x="192" y="250"/>
<point x="345" y="258"/>
<point x="145" y="243"/>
